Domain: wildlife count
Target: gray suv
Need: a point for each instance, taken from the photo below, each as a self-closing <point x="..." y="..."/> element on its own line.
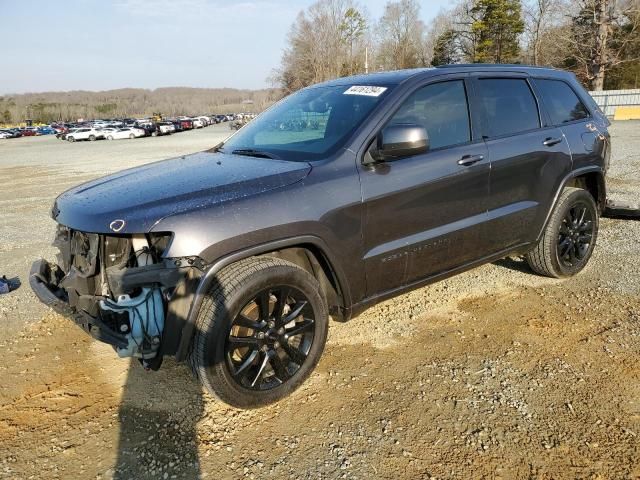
<point x="339" y="196"/>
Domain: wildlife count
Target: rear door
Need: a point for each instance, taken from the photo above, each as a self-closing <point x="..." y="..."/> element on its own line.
<point x="565" y="110"/>
<point x="424" y="213"/>
<point x="528" y="157"/>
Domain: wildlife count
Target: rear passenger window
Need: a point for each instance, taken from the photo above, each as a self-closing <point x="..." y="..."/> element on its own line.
<point x="441" y="108"/>
<point x="561" y="101"/>
<point x="508" y="105"/>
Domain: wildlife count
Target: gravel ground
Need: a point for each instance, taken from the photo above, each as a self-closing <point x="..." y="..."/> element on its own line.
<point x="495" y="373"/>
<point x="35" y="170"/>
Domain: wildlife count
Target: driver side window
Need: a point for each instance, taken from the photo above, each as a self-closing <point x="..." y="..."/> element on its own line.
<point x="442" y="109"/>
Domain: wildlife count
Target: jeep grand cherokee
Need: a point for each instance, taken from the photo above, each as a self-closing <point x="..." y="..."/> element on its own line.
<point x="339" y="196"/>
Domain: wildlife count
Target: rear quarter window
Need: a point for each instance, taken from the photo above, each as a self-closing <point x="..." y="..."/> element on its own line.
<point x="561" y="102"/>
<point x="508" y="106"/>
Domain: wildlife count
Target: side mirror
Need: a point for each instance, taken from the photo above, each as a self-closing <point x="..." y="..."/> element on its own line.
<point x="402" y="140"/>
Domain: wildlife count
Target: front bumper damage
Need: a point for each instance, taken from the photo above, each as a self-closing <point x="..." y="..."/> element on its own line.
<point x="44" y="284"/>
<point x="118" y="289"/>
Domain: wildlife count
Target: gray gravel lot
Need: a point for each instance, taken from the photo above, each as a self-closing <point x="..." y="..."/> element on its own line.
<point x="34" y="170"/>
<point x="495" y="373"/>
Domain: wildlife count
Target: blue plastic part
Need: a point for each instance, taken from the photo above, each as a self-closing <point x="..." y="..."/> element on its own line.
<point x="146" y="317"/>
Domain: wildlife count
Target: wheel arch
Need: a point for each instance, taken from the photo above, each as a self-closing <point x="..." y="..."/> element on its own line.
<point x="308" y="252"/>
<point x="594" y="183"/>
<point x="591" y="179"/>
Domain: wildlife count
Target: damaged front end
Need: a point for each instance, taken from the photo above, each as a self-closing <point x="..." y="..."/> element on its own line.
<point x="116" y="287"/>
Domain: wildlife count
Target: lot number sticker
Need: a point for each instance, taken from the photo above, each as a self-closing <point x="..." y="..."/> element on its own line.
<point x="366" y="91"/>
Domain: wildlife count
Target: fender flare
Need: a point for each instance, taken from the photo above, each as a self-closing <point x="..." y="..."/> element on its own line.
<point x="188" y="329"/>
<point x="570" y="176"/>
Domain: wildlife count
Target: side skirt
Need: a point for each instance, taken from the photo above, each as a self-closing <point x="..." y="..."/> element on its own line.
<point x="369" y="302"/>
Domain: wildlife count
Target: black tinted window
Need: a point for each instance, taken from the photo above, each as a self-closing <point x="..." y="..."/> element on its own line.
<point x="442" y="109"/>
<point x="509" y="106"/>
<point x="561" y="101"/>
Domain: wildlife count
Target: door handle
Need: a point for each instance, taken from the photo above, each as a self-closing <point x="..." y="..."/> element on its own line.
<point x="550" y="142"/>
<point x="468" y="160"/>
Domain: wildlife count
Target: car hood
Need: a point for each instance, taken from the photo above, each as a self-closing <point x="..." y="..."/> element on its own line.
<point x="133" y="200"/>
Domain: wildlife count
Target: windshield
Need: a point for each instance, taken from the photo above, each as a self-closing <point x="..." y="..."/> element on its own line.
<point x="307" y="125"/>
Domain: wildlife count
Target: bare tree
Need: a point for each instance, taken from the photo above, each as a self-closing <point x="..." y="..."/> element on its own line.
<point x="439" y="27"/>
<point x="316" y="48"/>
<point x="401" y="36"/>
<point x="601" y="33"/>
<point x="464" y="17"/>
<point x="540" y="17"/>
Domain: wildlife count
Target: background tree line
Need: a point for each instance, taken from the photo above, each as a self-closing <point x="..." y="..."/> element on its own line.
<point x="599" y="40"/>
<point x="131" y="102"/>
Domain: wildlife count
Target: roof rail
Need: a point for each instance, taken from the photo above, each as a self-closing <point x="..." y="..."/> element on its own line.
<point x="492" y="65"/>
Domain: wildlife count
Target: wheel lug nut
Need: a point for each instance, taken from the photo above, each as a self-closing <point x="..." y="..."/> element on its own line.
<point x="276" y="345"/>
<point x="281" y="331"/>
<point x="260" y="335"/>
<point x="271" y="324"/>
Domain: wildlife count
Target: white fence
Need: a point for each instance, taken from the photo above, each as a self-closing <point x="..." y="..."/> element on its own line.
<point x="608" y="100"/>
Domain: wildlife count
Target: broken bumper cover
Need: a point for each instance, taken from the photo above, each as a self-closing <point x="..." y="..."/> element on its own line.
<point x="40" y="281"/>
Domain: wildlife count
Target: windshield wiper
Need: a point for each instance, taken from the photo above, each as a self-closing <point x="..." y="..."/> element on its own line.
<point x="250" y="152"/>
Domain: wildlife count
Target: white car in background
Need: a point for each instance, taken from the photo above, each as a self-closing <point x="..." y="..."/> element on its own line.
<point x="85" y="133"/>
<point x="137" y="131"/>
<point x="166" y="128"/>
<point x="197" y="123"/>
<point x="206" y="121"/>
<point x="5" y="135"/>
<point x="122" y="133"/>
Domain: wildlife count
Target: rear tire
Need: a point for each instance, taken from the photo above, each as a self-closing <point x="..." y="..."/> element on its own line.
<point x="132" y="136"/>
<point x="92" y="138"/>
<point x="260" y="332"/>
<point x="109" y="137"/>
<point x="569" y="237"/>
<point x="71" y="139"/>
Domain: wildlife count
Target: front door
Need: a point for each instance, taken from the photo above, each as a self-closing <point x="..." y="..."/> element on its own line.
<point x="424" y="214"/>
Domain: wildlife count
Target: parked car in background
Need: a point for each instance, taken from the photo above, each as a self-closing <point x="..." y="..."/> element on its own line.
<point x="59" y="128"/>
<point x="28" y="132"/>
<point x="85" y="133"/>
<point x="120" y="134"/>
<point x="45" y="130"/>
<point x="165" y="128"/>
<point x="4" y="135"/>
<point x="145" y="129"/>
<point x="12" y="132"/>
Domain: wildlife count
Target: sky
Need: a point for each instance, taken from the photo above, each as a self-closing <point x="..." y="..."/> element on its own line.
<point x="106" y="44"/>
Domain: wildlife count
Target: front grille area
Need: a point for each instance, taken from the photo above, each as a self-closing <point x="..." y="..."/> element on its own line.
<point x="83" y="259"/>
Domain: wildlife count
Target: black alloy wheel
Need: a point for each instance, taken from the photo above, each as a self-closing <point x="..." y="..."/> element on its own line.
<point x="569" y="237"/>
<point x="270" y="338"/>
<point x="260" y="331"/>
<point x="575" y="234"/>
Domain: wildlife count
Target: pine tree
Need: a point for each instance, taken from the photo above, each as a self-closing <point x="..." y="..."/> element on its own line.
<point x="498" y="26"/>
<point x="352" y="28"/>
<point x="445" y="50"/>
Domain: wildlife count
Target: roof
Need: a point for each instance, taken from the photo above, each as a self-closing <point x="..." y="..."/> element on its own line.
<point x="396" y="77"/>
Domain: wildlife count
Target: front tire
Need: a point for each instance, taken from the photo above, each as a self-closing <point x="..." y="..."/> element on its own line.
<point x="260" y="332"/>
<point x="569" y="237"/>
<point x="92" y="138"/>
